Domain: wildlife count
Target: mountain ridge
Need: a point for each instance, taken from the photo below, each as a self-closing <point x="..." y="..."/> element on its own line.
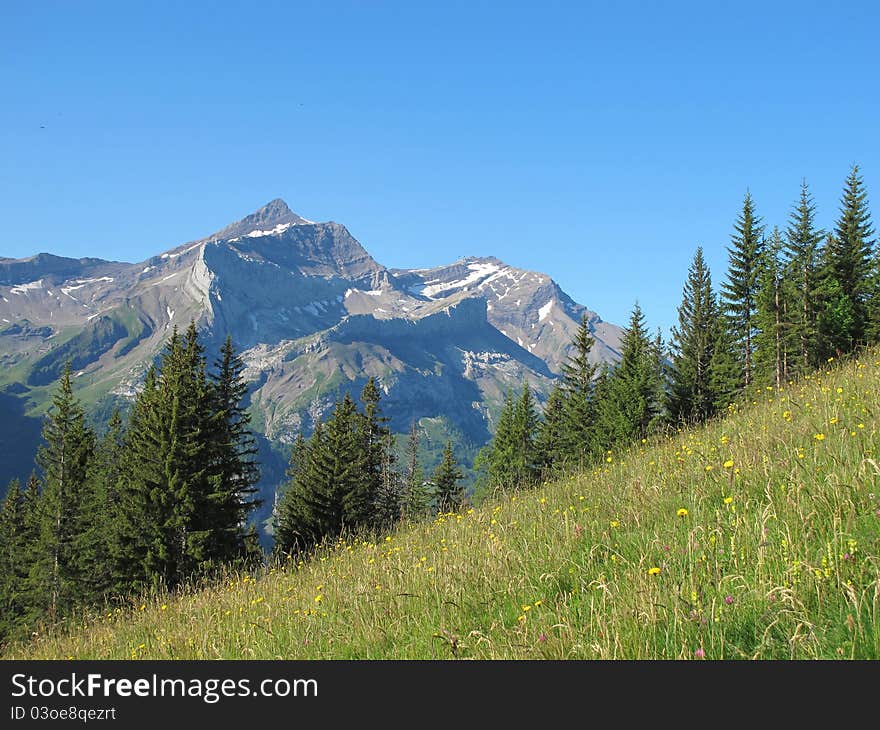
<point x="311" y="312"/>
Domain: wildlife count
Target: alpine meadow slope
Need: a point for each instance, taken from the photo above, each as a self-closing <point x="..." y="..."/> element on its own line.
<point x="755" y="536"/>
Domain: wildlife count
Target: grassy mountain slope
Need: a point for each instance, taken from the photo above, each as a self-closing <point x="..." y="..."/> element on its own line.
<point x="757" y="536"/>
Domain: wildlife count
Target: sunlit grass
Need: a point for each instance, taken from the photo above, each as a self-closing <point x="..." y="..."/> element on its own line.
<point x="755" y="537"/>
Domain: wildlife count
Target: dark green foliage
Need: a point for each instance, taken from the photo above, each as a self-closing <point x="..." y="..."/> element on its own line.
<point x="342" y="479"/>
<point x="292" y="528"/>
<point x="512" y="459"/>
<point x="849" y="269"/>
<point x="450" y="494"/>
<point x="95" y="544"/>
<point x="188" y="472"/>
<point x="549" y="440"/>
<point x="802" y="253"/>
<point x="577" y="389"/>
<point x="775" y="342"/>
<point x="382" y="482"/>
<point x="629" y="404"/>
<point x="234" y="471"/>
<point x="417" y="497"/>
<point x="739" y="292"/>
<point x="697" y="353"/>
<point x="56" y="572"/>
<point x="15" y="544"/>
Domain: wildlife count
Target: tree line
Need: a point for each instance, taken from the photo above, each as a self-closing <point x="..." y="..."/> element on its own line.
<point x="149" y="504"/>
<point x="791" y="300"/>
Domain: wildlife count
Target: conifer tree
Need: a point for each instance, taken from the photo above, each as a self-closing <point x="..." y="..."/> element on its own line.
<point x="739" y="292"/>
<point x="95" y="546"/>
<point x="632" y="404"/>
<point x="416" y="494"/>
<point x="293" y="527"/>
<point x="63" y="460"/>
<point x="526" y="461"/>
<point x="233" y="471"/>
<point x="802" y="253"/>
<point x="849" y="263"/>
<point x="773" y="341"/>
<point x="13" y="559"/>
<point x="450" y="495"/>
<point x="335" y="492"/>
<point x="380" y="484"/>
<point x="549" y="441"/>
<point x="577" y="388"/>
<point x="695" y="344"/>
<point x="168" y="503"/>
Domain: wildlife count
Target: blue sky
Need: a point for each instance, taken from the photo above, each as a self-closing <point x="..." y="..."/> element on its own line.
<point x="597" y="142"/>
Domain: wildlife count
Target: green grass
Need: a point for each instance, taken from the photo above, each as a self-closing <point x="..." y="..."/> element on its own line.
<point x="756" y="537"/>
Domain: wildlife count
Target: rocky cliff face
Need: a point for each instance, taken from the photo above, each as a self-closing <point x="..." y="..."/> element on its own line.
<point x="313" y="315"/>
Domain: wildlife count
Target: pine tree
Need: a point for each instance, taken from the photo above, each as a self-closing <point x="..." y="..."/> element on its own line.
<point x="450" y="495"/>
<point x="168" y="500"/>
<point x="633" y="403"/>
<point x="695" y="347"/>
<point x="136" y="535"/>
<point x="802" y="253"/>
<point x="335" y="491"/>
<point x="774" y="339"/>
<point x="95" y="546"/>
<point x="577" y="388"/>
<point x="416" y="494"/>
<point x="13" y="565"/>
<point x="380" y="484"/>
<point x="550" y="436"/>
<point x="740" y="290"/>
<point x="526" y="460"/>
<point x="233" y="471"/>
<point x="293" y="529"/>
<point x="849" y="263"/>
<point x="63" y="460"/>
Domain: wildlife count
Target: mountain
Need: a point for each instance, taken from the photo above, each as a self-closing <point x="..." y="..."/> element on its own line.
<point x="313" y="315"/>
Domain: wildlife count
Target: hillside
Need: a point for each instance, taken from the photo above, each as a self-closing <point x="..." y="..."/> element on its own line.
<point x="757" y="536"/>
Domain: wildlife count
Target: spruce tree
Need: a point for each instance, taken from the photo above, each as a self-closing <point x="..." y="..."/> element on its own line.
<point x="550" y="434"/>
<point x="63" y="460"/>
<point x="450" y="495"/>
<point x="233" y="468"/>
<point x="13" y="555"/>
<point x="773" y="342"/>
<point x="632" y="404"/>
<point x="739" y="292"/>
<point x="695" y="345"/>
<point x="577" y="388"/>
<point x="496" y="456"/>
<point x="293" y="527"/>
<point x="802" y="253"/>
<point x="849" y="263"/>
<point x="526" y="460"/>
<point x="168" y="501"/>
<point x="380" y="485"/>
<point x="335" y="490"/>
<point x="416" y="493"/>
<point x="95" y="545"/>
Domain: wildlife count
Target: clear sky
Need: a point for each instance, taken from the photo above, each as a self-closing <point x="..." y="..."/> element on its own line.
<point x="597" y="142"/>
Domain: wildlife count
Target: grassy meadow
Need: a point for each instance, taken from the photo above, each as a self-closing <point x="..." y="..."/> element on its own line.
<point x="754" y="537"/>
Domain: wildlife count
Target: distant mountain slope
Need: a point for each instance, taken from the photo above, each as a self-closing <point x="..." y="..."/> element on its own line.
<point x="313" y="315"/>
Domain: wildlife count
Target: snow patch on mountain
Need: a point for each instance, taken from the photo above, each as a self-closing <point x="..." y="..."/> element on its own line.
<point x="478" y="271"/>
<point x="25" y="288"/>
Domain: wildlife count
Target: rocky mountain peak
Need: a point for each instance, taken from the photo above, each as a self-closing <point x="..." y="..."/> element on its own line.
<point x="271" y="216"/>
